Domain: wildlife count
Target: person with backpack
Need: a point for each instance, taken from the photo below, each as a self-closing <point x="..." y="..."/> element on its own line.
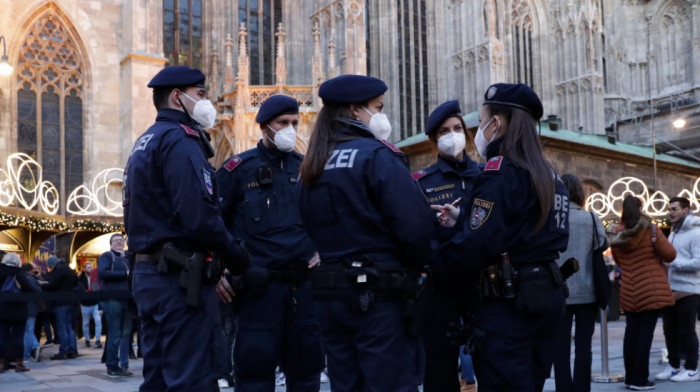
<point x="61" y="278"/>
<point x="89" y="308"/>
<point x="13" y="315"/>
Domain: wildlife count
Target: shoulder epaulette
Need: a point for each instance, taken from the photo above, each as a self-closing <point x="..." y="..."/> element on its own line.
<point x="494" y="164"/>
<point x="392" y="147"/>
<point x="419" y="174"/>
<point x="189" y="131"/>
<point x="233" y="162"/>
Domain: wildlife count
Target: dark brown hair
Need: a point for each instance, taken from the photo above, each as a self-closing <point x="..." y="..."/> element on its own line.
<point x="574" y="187"/>
<point x="322" y="141"/>
<point x="522" y="146"/>
<point x="433" y="135"/>
<point x="630" y="211"/>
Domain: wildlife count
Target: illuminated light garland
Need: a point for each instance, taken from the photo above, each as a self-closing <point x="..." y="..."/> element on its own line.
<point x="97" y="226"/>
<point x="653" y="205"/>
<point x="32" y="223"/>
<point x="91" y="198"/>
<point x="30" y="193"/>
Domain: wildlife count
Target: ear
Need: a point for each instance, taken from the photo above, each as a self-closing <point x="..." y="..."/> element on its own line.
<point x="173" y="99"/>
<point x="355" y="110"/>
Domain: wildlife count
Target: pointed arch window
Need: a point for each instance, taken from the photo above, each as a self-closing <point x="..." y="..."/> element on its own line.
<point x="522" y="39"/>
<point x="50" y="103"/>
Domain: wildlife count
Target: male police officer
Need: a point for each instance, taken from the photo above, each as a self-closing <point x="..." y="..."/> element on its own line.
<point x="276" y="320"/>
<point x="172" y="218"/>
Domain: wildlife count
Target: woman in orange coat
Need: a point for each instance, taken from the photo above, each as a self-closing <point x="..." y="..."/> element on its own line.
<point x="645" y="289"/>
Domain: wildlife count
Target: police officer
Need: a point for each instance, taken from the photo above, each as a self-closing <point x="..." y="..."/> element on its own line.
<point x="449" y="180"/>
<point x="371" y="226"/>
<point x="512" y="229"/>
<point x="276" y="321"/>
<point x="172" y="217"/>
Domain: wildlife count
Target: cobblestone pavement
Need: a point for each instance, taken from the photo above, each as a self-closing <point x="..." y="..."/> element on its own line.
<point x="88" y="374"/>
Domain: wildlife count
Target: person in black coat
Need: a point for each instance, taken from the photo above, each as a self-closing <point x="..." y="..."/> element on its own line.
<point x="13" y="315"/>
<point x="62" y="278"/>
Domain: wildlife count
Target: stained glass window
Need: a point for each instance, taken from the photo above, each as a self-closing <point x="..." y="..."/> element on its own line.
<point x="50" y="103"/>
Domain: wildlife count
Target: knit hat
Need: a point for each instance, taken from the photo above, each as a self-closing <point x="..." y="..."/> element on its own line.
<point x="52" y="261"/>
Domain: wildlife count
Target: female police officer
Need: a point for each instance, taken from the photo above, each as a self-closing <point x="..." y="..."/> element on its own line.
<point x="371" y="227"/>
<point x="451" y="178"/>
<point x="518" y="213"/>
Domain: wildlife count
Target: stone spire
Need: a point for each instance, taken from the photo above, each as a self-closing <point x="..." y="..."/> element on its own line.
<point x="228" y="68"/>
<point x="214" y="84"/>
<point x="317" y="66"/>
<point x="243" y="68"/>
<point x="281" y="65"/>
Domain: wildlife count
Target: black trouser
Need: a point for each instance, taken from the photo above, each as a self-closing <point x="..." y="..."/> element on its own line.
<point x="679" y="330"/>
<point x="585" y="325"/>
<point x="639" y="333"/>
<point x="441" y="357"/>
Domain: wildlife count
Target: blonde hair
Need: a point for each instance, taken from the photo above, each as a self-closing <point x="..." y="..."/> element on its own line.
<point x="12" y="259"/>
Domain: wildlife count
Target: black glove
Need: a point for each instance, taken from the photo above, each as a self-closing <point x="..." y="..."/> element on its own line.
<point x="238" y="259"/>
<point x="467" y="334"/>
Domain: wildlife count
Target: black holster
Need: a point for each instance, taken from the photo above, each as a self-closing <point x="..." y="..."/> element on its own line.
<point x="191" y="271"/>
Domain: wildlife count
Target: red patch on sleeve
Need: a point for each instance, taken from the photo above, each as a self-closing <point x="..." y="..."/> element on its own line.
<point x="392" y="147"/>
<point x="189" y="130"/>
<point x="419" y="174"/>
<point x="233" y="162"/>
<point x="494" y="164"/>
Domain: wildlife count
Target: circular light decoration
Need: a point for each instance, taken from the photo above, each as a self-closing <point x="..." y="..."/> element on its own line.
<point x="100" y="189"/>
<point x="80" y="202"/>
<point x="656" y="204"/>
<point x="623" y="187"/>
<point x="23" y="184"/>
<point x="26" y="183"/>
<point x="84" y="201"/>
<point x="598" y="203"/>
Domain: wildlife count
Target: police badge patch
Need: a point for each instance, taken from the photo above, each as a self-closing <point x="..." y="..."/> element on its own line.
<point x="481" y="209"/>
<point x="207" y="181"/>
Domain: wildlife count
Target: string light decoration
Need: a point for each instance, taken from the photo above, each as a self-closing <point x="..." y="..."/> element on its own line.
<point x="33" y="223"/>
<point x="22" y="183"/>
<point x="84" y="201"/>
<point x="103" y="227"/>
<point x="653" y="205"/>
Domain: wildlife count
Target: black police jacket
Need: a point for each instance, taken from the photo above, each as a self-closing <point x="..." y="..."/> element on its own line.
<point x="501" y="217"/>
<point x="443" y="183"/>
<point x="260" y="203"/>
<point x="365" y="201"/>
<point x="169" y="193"/>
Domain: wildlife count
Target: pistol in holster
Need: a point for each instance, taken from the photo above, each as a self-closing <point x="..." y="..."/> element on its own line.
<point x="191" y="271"/>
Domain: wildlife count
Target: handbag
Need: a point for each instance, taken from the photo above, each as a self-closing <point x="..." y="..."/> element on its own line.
<point x="601" y="282"/>
<point x="11" y="285"/>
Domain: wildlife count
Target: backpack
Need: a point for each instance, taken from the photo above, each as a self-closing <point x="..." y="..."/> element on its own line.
<point x="11" y="285"/>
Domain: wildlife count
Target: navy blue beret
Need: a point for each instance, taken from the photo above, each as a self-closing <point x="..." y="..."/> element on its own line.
<point x="178" y="76"/>
<point x="276" y="105"/>
<point x="351" y="89"/>
<point x="517" y="95"/>
<point x="442" y="113"/>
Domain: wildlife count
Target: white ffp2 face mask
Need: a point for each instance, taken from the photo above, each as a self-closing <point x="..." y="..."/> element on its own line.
<point x="480" y="141"/>
<point x="379" y="124"/>
<point x="452" y="143"/>
<point x="284" y="139"/>
<point x="204" y="112"/>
